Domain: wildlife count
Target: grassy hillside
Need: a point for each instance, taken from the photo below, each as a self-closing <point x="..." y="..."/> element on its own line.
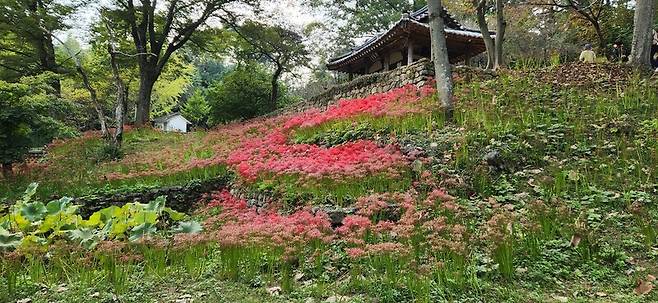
<point x="543" y="189"/>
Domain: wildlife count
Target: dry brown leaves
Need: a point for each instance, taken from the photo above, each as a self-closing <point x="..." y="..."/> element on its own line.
<point x="576" y="74"/>
<point x="645" y="286"/>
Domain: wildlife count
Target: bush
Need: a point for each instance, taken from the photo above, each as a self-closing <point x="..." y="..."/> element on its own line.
<point x="244" y="93"/>
<point x="196" y="109"/>
<point x="108" y="152"/>
<point x="32" y="115"/>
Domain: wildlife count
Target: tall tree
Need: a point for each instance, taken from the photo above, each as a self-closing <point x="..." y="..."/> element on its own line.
<point x="115" y="138"/>
<point x="280" y="47"/>
<point x="442" y="70"/>
<point x="157" y="35"/>
<point x="26" y="46"/>
<point x="645" y="11"/>
<point x="592" y="11"/>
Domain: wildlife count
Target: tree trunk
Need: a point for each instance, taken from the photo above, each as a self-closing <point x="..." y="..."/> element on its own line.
<point x="480" y="7"/>
<point x="440" y="57"/>
<point x="94" y="99"/>
<point x="601" y="37"/>
<point x="500" y="33"/>
<point x="146" y="82"/>
<point x="44" y="45"/>
<point x="274" y="96"/>
<point x="85" y="81"/>
<point x="642" y="33"/>
<point x="47" y="51"/>
<point x="122" y="97"/>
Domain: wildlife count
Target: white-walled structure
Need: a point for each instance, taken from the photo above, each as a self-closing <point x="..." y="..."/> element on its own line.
<point x="174" y="122"/>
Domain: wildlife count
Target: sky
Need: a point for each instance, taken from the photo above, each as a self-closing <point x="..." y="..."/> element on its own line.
<point x="292" y="12"/>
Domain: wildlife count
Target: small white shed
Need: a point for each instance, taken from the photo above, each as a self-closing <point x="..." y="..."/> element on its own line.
<point x="174" y="122"/>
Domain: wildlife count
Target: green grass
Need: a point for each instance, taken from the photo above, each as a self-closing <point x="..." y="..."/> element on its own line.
<point x="74" y="168"/>
<point x="590" y="156"/>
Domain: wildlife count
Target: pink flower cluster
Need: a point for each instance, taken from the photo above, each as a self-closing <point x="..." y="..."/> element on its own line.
<point x="241" y="225"/>
<point x="435" y="219"/>
<point x="259" y="146"/>
<point x="397" y="102"/>
<point x="272" y="155"/>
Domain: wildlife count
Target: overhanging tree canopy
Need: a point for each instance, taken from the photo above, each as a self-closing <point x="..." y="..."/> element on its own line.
<point x="158" y="30"/>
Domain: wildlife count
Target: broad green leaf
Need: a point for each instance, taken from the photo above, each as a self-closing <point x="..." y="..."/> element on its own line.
<point x="20" y="221"/>
<point x="9" y="240"/>
<point x="118" y="229"/>
<point x="86" y="237"/>
<point x="174" y="215"/>
<point x="4" y="222"/>
<point x="60" y="221"/>
<point x="31" y="240"/>
<point x="57" y="206"/>
<point x="157" y="204"/>
<point x="94" y="220"/>
<point x="111" y="212"/>
<point x="149" y="217"/>
<point x="50" y="222"/>
<point x="141" y="230"/>
<point x="29" y="192"/>
<point x="34" y="211"/>
<point x="188" y="227"/>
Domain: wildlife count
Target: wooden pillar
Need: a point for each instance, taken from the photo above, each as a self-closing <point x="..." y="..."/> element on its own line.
<point x="410" y="52"/>
<point x="386" y="62"/>
<point x="467" y="59"/>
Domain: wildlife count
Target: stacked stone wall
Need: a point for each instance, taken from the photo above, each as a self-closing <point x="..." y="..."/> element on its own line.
<point x="181" y="198"/>
<point x="418" y="73"/>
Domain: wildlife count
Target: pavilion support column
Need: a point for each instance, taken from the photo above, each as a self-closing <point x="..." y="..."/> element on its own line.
<point x="410" y="52"/>
<point x="386" y="62"/>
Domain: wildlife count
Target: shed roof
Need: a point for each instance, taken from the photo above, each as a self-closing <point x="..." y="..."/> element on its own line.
<point x="168" y="117"/>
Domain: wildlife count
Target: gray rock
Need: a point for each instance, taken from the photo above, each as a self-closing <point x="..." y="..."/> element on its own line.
<point x="494" y="159"/>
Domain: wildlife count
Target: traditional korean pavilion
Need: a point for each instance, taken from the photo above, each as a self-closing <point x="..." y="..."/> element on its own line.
<point x="407" y="41"/>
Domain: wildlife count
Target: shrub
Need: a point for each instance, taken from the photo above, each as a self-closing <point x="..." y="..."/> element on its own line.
<point x="197" y="109"/>
<point x="32" y="115"/>
<point x="244" y="93"/>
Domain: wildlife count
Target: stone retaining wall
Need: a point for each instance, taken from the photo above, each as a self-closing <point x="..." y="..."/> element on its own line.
<point x="180" y="198"/>
<point x="417" y="74"/>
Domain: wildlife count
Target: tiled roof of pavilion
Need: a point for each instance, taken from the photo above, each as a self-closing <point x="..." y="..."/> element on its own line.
<point x="418" y="20"/>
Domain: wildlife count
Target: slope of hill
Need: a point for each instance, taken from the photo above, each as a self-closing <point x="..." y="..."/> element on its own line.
<point x="536" y="192"/>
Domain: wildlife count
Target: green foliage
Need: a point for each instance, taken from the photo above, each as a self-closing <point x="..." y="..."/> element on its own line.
<point x="32" y="115"/>
<point x="196" y="109"/>
<point x="190" y="227"/>
<point x="29" y="223"/>
<point x="26" y="48"/>
<point x="108" y="152"/>
<point x="244" y="93"/>
<point x="283" y="49"/>
<point x="363" y="17"/>
<point x="176" y="78"/>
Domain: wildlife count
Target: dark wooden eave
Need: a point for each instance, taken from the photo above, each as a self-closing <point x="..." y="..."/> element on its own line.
<point x="461" y="44"/>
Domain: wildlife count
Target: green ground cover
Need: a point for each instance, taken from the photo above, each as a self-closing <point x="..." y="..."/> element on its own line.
<point x="555" y="200"/>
